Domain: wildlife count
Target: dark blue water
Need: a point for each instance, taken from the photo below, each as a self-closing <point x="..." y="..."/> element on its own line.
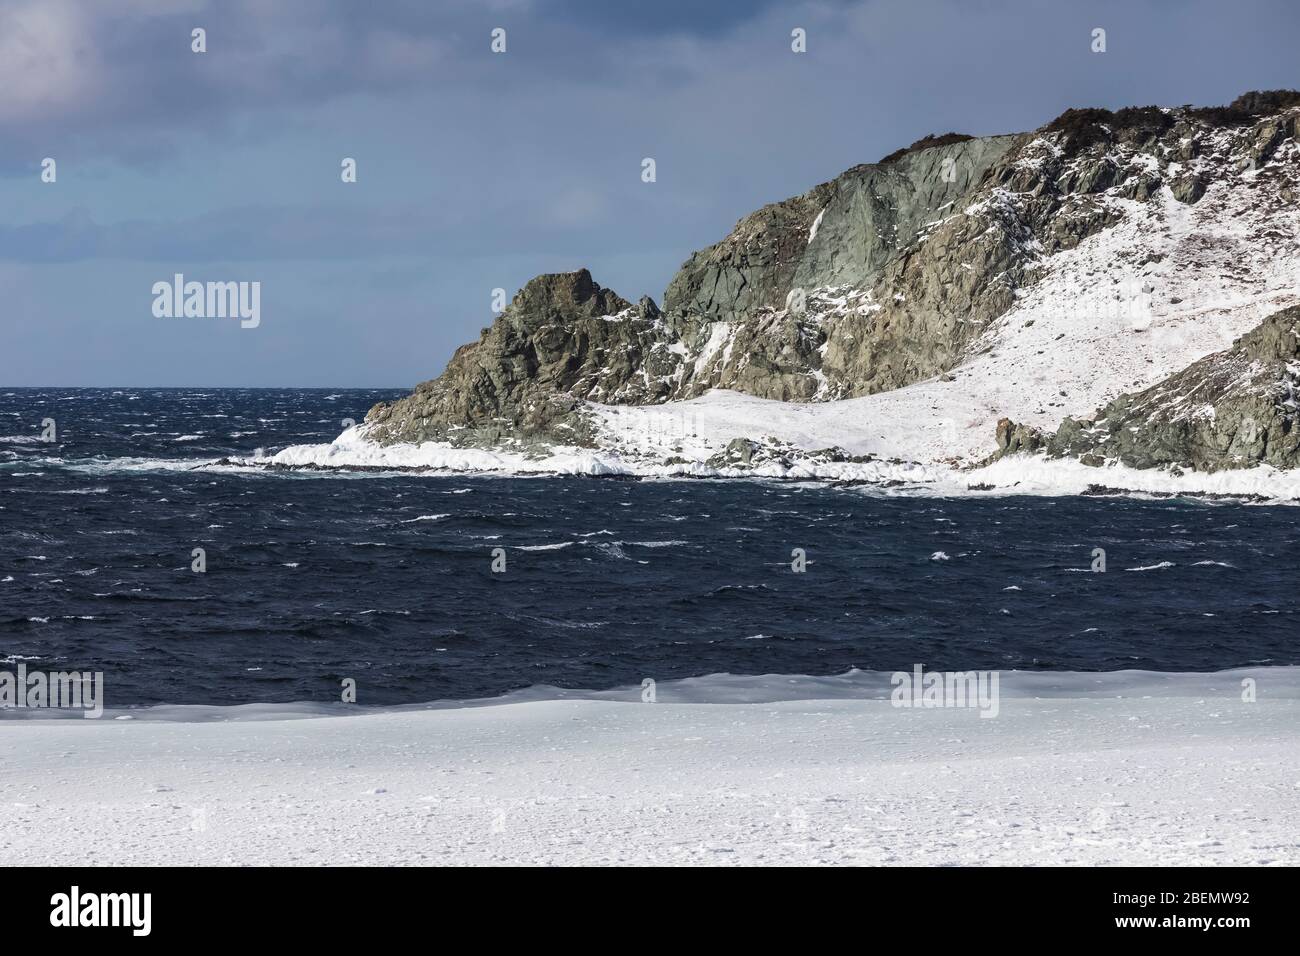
<point x="312" y="578"/>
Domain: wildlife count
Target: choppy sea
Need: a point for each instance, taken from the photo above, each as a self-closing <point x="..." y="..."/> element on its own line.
<point x="313" y="578"/>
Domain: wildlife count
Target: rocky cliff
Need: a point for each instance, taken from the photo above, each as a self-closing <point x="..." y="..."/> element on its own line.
<point x="1233" y="409"/>
<point x="892" y="274"/>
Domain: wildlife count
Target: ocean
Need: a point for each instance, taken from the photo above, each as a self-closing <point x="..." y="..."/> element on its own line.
<point x="395" y="581"/>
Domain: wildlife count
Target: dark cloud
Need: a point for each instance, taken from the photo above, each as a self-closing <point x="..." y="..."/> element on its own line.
<point x="105" y="80"/>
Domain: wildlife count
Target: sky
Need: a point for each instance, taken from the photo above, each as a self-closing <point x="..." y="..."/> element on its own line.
<point x="477" y="170"/>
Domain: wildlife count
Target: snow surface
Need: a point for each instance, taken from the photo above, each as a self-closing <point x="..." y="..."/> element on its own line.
<point x="1077" y="769"/>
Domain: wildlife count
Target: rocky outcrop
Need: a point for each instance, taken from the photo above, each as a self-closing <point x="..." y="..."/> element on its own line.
<point x="742" y="454"/>
<point x="1014" y="439"/>
<point x="561" y="340"/>
<point x="1233" y="409"/>
<point x="887" y="275"/>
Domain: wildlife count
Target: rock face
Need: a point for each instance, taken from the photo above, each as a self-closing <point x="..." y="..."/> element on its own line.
<point x="883" y="277"/>
<point x="1232" y="409"/>
<point x="840" y="234"/>
<point x="1013" y="439"/>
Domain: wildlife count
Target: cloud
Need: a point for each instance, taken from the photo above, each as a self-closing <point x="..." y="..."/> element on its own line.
<point x="119" y="80"/>
<point x="101" y="80"/>
<point x="48" y="63"/>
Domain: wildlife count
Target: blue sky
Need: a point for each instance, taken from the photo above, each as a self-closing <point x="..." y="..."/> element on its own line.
<point x="479" y="170"/>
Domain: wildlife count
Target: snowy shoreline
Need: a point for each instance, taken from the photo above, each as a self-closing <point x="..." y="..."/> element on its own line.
<point x="1012" y="476"/>
<point x="1015" y="475"/>
<point x="1078" y="769"/>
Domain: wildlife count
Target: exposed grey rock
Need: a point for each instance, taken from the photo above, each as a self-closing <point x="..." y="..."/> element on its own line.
<point x="563" y="338"/>
<point x="864" y="218"/>
<point x="1013" y="438"/>
<point x="739" y="453"/>
<point x="1233" y="409"/>
<point x="746" y="453"/>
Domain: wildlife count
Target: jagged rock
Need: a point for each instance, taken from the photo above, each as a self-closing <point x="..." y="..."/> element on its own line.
<point x="1188" y="189"/>
<point x="739" y="453"/>
<point x="747" y="453"/>
<point x="1013" y="438"/>
<point x="563" y="338"/>
<point x="1232" y="409"/>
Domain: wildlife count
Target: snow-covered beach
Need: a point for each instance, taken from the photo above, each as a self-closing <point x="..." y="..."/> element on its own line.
<point x="1078" y="769"/>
